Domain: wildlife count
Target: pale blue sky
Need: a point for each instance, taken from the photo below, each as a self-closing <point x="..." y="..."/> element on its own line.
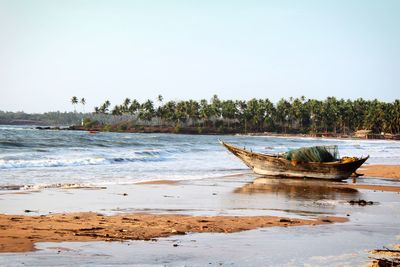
<point x="52" y="50"/>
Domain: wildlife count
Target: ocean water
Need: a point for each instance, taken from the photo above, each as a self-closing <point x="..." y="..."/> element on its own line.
<point x="37" y="158"/>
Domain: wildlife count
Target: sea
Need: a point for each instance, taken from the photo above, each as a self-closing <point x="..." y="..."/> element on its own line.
<point x="31" y="158"/>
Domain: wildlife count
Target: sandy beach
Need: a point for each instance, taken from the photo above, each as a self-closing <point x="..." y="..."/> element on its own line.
<point x="381" y="171"/>
<point x="19" y="233"/>
<point x="166" y="208"/>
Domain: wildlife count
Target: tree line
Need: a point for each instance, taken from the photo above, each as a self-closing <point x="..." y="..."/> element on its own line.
<point x="292" y="115"/>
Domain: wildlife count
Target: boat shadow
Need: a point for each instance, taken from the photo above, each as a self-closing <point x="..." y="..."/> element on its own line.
<point x="306" y="189"/>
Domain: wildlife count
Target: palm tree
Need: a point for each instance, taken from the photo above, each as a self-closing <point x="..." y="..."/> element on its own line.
<point x="215" y="109"/>
<point x="243" y="114"/>
<point x="159" y="110"/>
<point x="297" y="112"/>
<point x="375" y="116"/>
<point x="204" y="112"/>
<point x="283" y="113"/>
<point x="104" y="108"/>
<point x="359" y="110"/>
<point x="192" y="109"/>
<point x="74" y="101"/>
<point x="270" y="114"/>
<point x="229" y="111"/>
<point x="83" y="102"/>
<point x="396" y="116"/>
<point x="314" y="107"/>
<point x="147" y="111"/>
<point x="134" y="107"/>
<point x="125" y="106"/>
<point x="116" y="111"/>
<point x="181" y="112"/>
<point x="254" y="113"/>
<point x="330" y="113"/>
<point x="343" y="114"/>
<point x="216" y="106"/>
<point x="168" y="111"/>
<point x="388" y="117"/>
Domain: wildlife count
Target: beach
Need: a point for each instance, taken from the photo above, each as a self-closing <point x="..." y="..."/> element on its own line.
<point x="183" y="200"/>
<point x="161" y="212"/>
<point x="20" y="233"/>
<point x="383" y="171"/>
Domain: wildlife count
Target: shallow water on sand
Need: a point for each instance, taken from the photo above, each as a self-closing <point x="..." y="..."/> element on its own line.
<point x="38" y="158"/>
<point x="341" y="244"/>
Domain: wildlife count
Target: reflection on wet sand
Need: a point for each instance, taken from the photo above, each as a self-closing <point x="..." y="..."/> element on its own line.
<point x="298" y="189"/>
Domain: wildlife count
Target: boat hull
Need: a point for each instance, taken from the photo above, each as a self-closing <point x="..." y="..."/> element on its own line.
<point x="277" y="166"/>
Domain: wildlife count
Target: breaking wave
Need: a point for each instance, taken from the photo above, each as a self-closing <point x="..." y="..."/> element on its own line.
<point x="46" y="163"/>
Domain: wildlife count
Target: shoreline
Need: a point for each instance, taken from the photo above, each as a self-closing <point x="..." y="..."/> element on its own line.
<point x="214" y="131"/>
<point x="374" y="171"/>
<point x="19" y="233"/>
<point x="164" y="182"/>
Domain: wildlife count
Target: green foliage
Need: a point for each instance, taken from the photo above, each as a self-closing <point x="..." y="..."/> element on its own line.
<point x="122" y="127"/>
<point x="293" y="115"/>
<point x="177" y="128"/>
<point x="89" y="123"/>
<point x="107" y="128"/>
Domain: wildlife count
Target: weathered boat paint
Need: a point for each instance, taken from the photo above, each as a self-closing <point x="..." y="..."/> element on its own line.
<point x="275" y="165"/>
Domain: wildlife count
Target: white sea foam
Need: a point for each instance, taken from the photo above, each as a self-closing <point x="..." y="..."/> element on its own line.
<point x="9" y="164"/>
<point x="70" y="162"/>
<point x="62" y="186"/>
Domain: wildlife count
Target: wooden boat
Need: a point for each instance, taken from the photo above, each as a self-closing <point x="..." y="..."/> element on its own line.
<point x="277" y="165"/>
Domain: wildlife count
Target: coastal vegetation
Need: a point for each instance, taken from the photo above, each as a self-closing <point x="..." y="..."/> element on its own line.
<point x="293" y="115"/>
<point x="287" y="116"/>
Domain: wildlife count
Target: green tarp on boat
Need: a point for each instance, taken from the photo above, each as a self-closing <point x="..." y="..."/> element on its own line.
<point x="313" y="154"/>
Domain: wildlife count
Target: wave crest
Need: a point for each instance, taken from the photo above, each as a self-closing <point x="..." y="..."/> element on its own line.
<point x="48" y="163"/>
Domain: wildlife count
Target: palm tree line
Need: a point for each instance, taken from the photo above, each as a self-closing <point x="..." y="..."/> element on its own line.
<point x="292" y="115"/>
<point x="75" y="101"/>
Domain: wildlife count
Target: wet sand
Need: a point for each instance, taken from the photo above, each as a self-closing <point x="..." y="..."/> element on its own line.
<point x="374" y="187"/>
<point x="159" y="182"/>
<point x="383" y="171"/>
<point x="386" y="257"/>
<point x="19" y="233"/>
<point x="299" y="188"/>
<point x="150" y="210"/>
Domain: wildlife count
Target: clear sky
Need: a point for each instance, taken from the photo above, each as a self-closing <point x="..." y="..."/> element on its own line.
<point x="52" y="50"/>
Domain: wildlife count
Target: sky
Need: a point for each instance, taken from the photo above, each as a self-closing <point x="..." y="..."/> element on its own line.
<point x="109" y="50"/>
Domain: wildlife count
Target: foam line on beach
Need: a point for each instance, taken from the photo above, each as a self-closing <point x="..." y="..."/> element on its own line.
<point x="49" y="186"/>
